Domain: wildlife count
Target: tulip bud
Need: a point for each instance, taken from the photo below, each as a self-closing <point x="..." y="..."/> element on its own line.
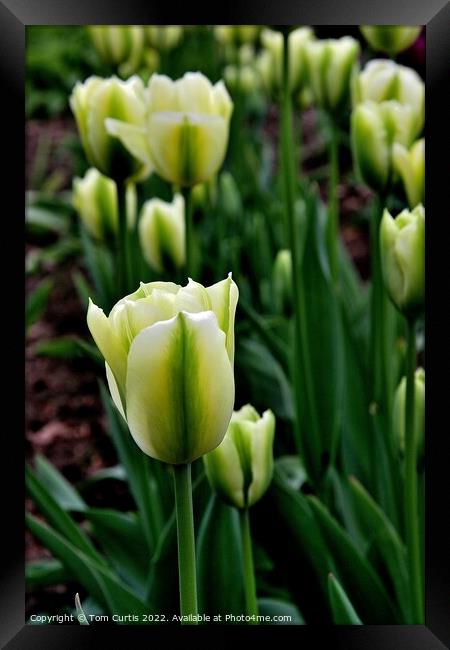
<point x="282" y="281"/>
<point x="382" y="80"/>
<point x="240" y="469"/>
<point x="188" y="127"/>
<point x="162" y="233"/>
<point x="163" y="37"/>
<point x="230" y="197"/>
<point x="119" y="44"/>
<point x="410" y="165"/>
<point x="104" y="109"/>
<point x="330" y="65"/>
<point x="374" y="130"/>
<point x="270" y="61"/>
<point x="236" y="35"/>
<point x="169" y="364"/>
<point x="95" y="200"/>
<point x="242" y="79"/>
<point x="419" y="411"/>
<point x="402" y="244"/>
<point x="390" y="39"/>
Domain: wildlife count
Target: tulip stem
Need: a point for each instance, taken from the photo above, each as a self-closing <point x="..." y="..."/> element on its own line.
<point x="186" y="541"/>
<point x="411" y="498"/>
<point x="188" y="209"/>
<point x="122" y="239"/>
<point x="301" y="358"/>
<point x="251" y="602"/>
<point x="333" y="201"/>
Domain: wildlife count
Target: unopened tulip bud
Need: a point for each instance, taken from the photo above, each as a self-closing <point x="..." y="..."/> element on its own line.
<point x="402" y="244"/>
<point x="188" y="127"/>
<point x="282" y="281"/>
<point x="382" y="80"/>
<point x="162" y="233"/>
<point x="240" y="469"/>
<point x="270" y="61"/>
<point x="236" y="35"/>
<point x="119" y="44"/>
<point x="163" y="37"/>
<point x="243" y="79"/>
<point x="330" y="64"/>
<point x="419" y="411"/>
<point x="390" y="39"/>
<point x="410" y="165"/>
<point x="105" y="109"/>
<point x="374" y="130"/>
<point x="95" y="200"/>
<point x="169" y="363"/>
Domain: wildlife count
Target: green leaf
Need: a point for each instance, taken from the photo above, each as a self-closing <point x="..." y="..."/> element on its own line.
<point x="321" y="323"/>
<point x="343" y="611"/>
<point x="68" y="348"/>
<point x="101" y="583"/>
<point x="147" y="490"/>
<point x="44" y="573"/>
<point x="286" y="523"/>
<point x="116" y="472"/>
<point x="385" y="547"/>
<point x="291" y="471"/>
<point x="37" y="302"/>
<point x="59" y="488"/>
<point x="273" y="607"/>
<point x="100" y="266"/>
<point x="83" y="289"/>
<point x="62" y="522"/>
<point x="359" y="579"/>
<point x="260" y="373"/>
<point x="37" y="218"/>
<point x="123" y="541"/>
<point x="219" y="561"/>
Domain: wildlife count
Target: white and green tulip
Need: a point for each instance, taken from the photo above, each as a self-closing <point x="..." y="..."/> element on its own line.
<point x="169" y="354"/>
<point x="402" y="245"/>
<point x="390" y="39"/>
<point x="103" y="109"/>
<point x="410" y="166"/>
<point x="383" y="80"/>
<point x="162" y="233"/>
<point x="120" y="45"/>
<point x="163" y="37"/>
<point x="419" y="411"/>
<point x="331" y="64"/>
<point x="240" y="469"/>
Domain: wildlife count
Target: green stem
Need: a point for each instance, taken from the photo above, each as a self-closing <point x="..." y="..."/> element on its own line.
<point x="122" y="240"/>
<point x="186" y="542"/>
<point x="301" y="347"/>
<point x="251" y="602"/>
<point x="188" y="208"/>
<point x="411" y="491"/>
<point x="333" y="201"/>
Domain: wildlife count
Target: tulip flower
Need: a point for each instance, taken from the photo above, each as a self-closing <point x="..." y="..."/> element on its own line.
<point x="330" y="65"/>
<point x="382" y="80"/>
<point x="162" y="233"/>
<point x="410" y="165"/>
<point x="163" y="37"/>
<point x="419" y="411"/>
<point x="169" y="361"/>
<point x="270" y="61"/>
<point x="244" y="79"/>
<point x="282" y="281"/>
<point x="402" y="244"/>
<point x="236" y="34"/>
<point x="95" y="200"/>
<point x="390" y="39"/>
<point x="102" y="107"/>
<point x="119" y="45"/>
<point x="240" y="468"/>
<point x="374" y="130"/>
<point x="187" y="127"/>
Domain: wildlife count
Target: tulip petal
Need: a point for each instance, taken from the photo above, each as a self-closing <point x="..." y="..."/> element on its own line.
<point x="225" y="474"/>
<point x="224" y="296"/>
<point x="179" y="388"/>
<point x="263" y="433"/>
<point x="114" y="390"/>
<point x="133" y="138"/>
<point x="110" y="345"/>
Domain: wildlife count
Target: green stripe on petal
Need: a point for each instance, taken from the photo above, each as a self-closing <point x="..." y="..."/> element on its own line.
<point x="179" y="388"/>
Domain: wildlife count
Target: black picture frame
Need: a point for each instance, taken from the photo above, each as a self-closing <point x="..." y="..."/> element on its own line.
<point x="15" y="15"/>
